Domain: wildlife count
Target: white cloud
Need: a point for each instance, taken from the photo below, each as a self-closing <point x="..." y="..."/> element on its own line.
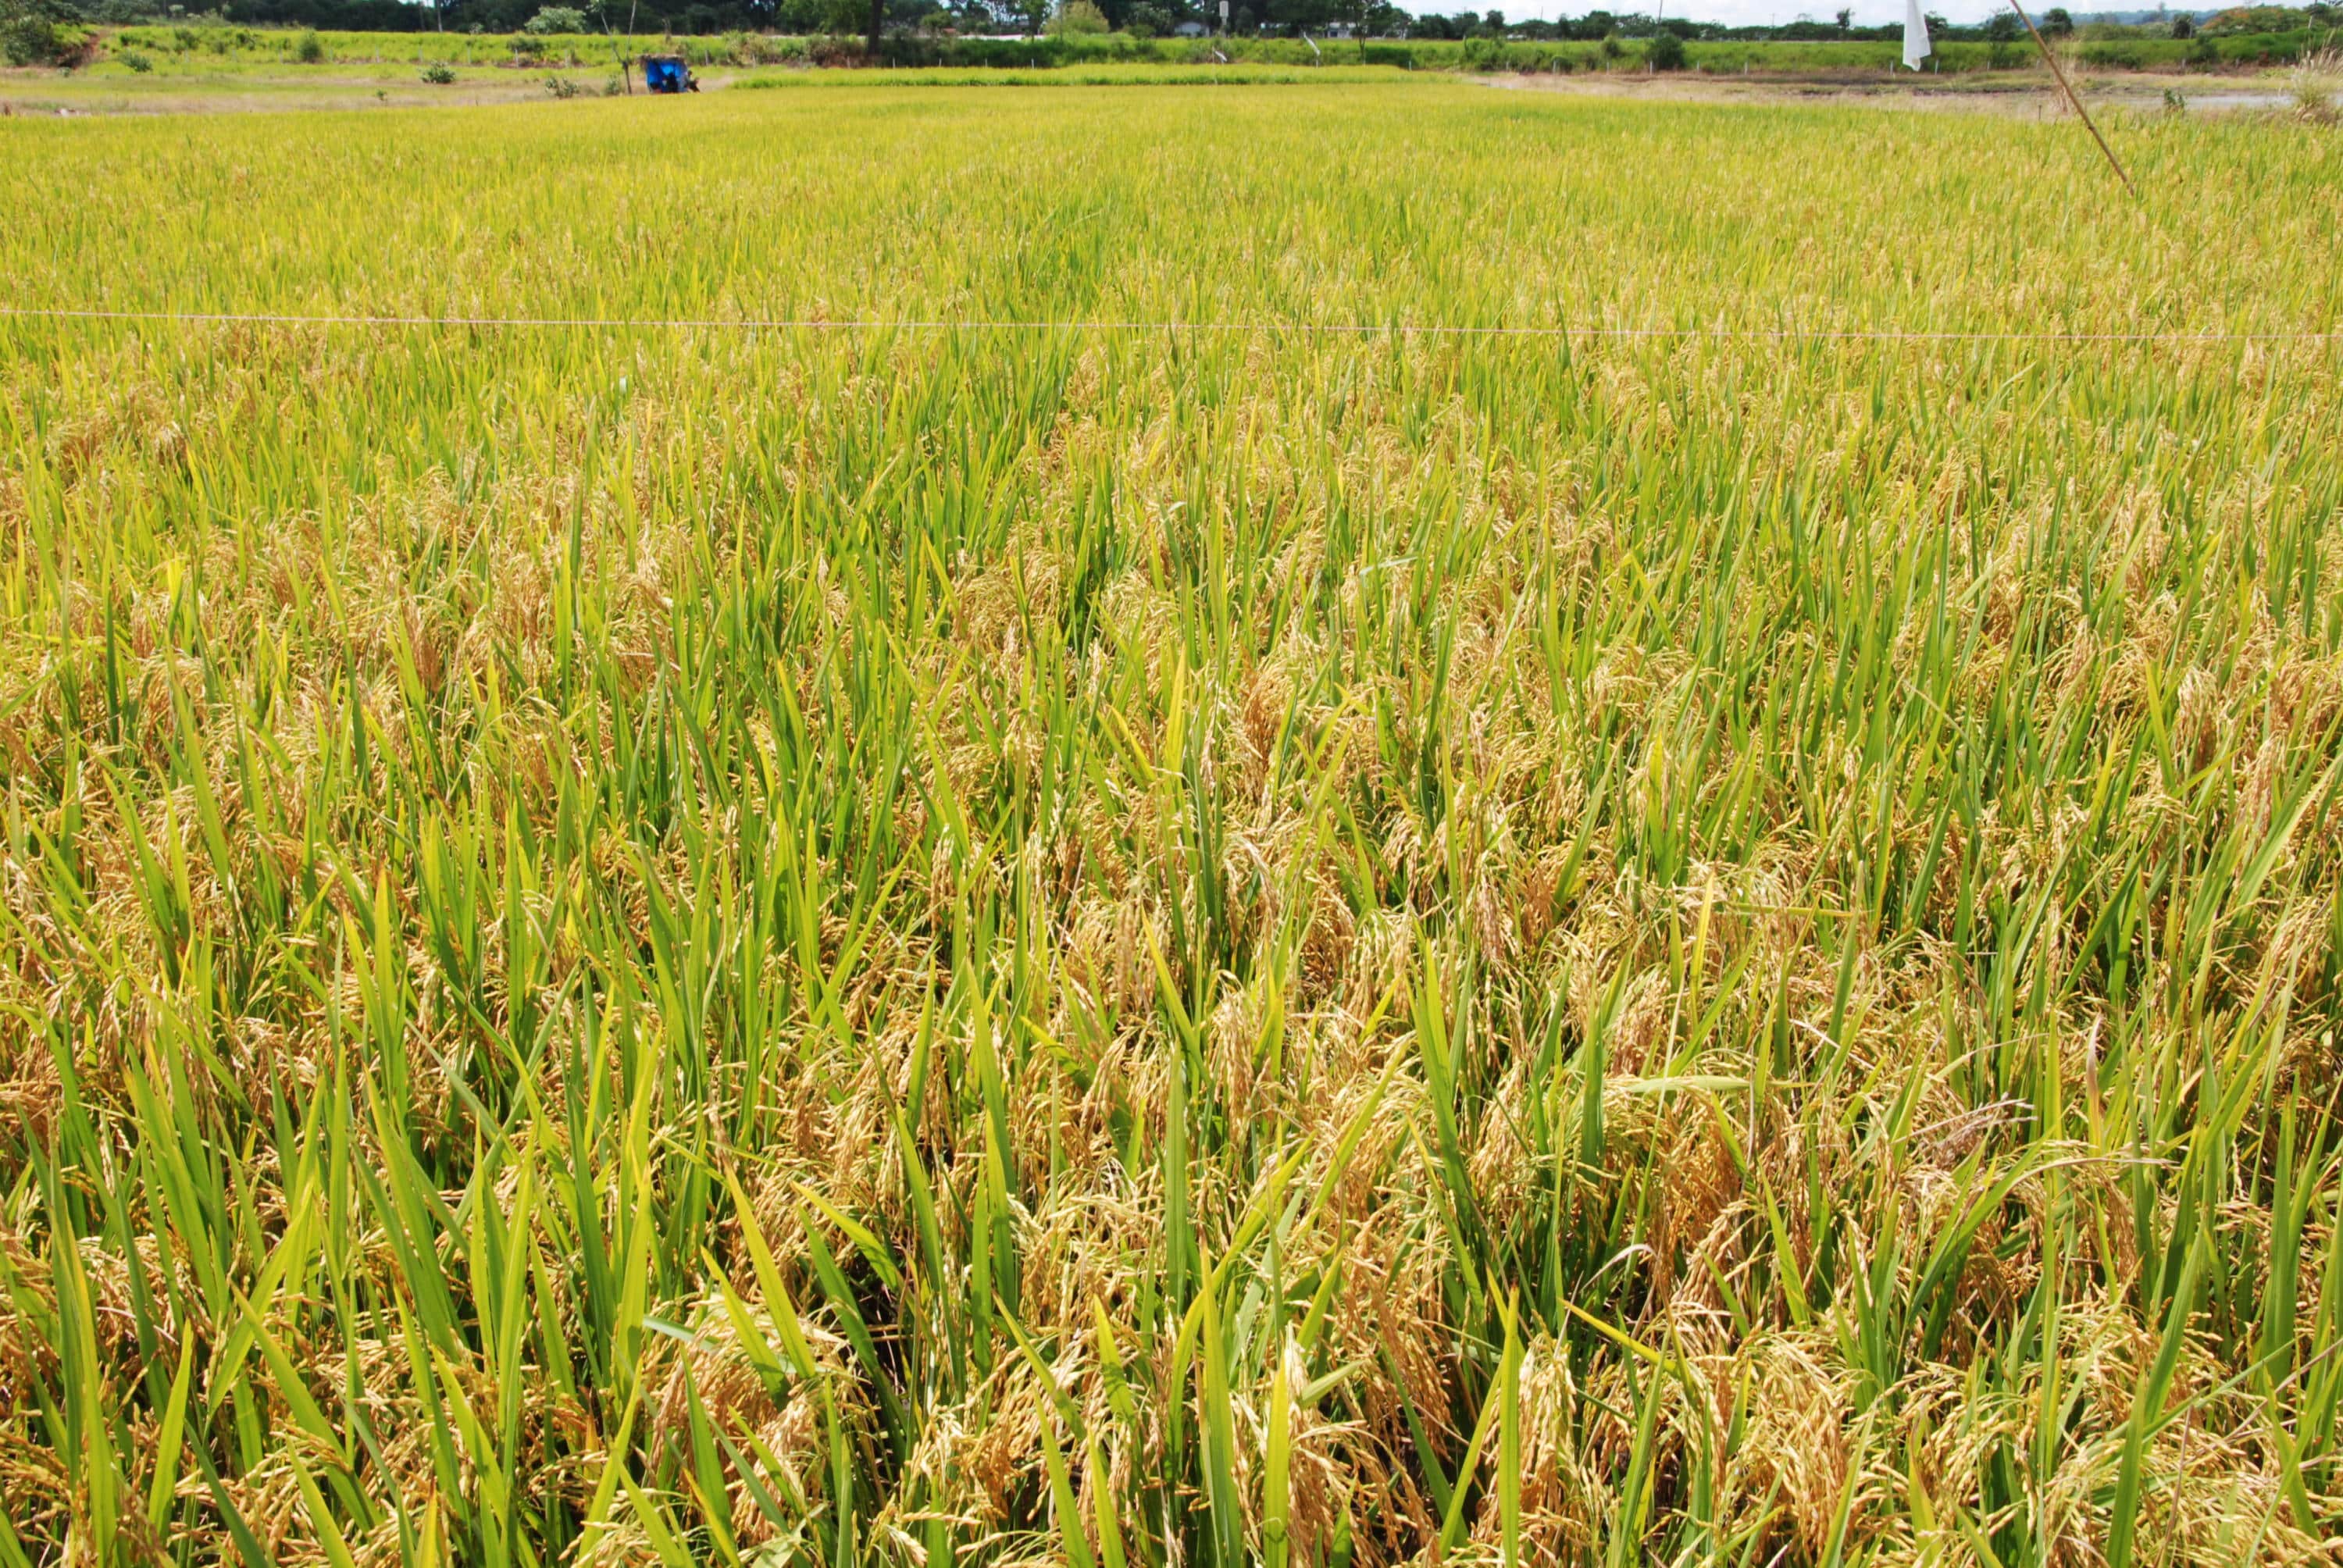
<point x="1737" y="12"/>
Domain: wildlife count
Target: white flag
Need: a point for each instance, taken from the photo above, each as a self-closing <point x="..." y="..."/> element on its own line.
<point x="1915" y="35"/>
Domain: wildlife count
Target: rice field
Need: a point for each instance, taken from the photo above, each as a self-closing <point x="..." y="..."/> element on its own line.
<point x="819" y="938"/>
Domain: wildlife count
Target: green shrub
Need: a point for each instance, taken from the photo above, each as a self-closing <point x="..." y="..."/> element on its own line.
<point x="1665" y="52"/>
<point x="31" y="41"/>
<point x="756" y="49"/>
<point x="2243" y="19"/>
<point x="311" y="50"/>
<point x="561" y="86"/>
<point x="137" y="62"/>
<point x="1077" y="19"/>
<point x="438" y="75"/>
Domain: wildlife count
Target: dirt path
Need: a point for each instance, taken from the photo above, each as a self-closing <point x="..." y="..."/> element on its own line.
<point x="47" y="93"/>
<point x="2028" y="94"/>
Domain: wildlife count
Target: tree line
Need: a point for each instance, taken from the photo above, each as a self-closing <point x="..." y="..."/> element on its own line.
<point x="1274" y="17"/>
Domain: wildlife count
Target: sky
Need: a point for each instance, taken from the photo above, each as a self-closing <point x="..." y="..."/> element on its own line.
<point x="1740" y="13"/>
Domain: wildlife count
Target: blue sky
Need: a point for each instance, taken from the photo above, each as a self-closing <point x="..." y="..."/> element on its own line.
<point x="1737" y="12"/>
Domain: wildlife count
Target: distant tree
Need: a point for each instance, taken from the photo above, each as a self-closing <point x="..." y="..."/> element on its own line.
<point x="555" y="19"/>
<point x="29" y="35"/>
<point x="1666" y="53"/>
<point x="1145" y="20"/>
<point x="1845" y="19"/>
<point x="1077" y="18"/>
<point x="1306" y="16"/>
<point x="2184" y="26"/>
<point x="2002" y="28"/>
<point x="2056" y="23"/>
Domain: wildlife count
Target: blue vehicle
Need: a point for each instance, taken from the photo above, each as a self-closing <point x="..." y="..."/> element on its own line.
<point x="669" y="73"/>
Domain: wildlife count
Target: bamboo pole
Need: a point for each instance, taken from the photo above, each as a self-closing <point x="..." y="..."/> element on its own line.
<point x="2074" y="97"/>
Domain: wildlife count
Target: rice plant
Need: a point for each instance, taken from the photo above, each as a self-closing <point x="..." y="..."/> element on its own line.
<point x="905" y="943"/>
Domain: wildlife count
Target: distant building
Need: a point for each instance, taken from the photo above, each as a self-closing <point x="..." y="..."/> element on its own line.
<point x="1189" y="30"/>
<point x="1340" y="30"/>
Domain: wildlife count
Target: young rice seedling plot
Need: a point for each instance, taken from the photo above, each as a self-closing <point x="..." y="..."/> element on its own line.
<point x="1123" y="946"/>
